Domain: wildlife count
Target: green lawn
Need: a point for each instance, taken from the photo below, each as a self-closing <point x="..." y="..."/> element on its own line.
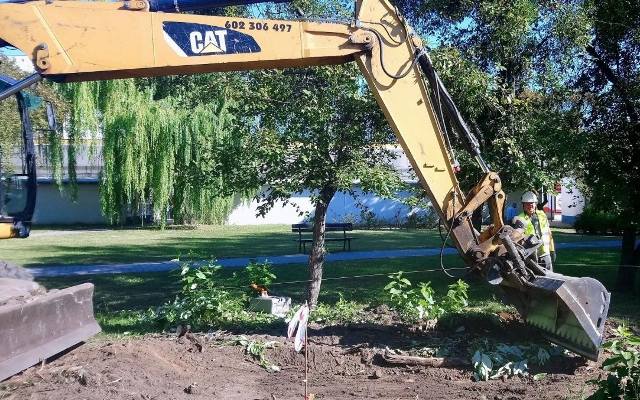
<point x="49" y="246"/>
<point x="564" y="237"/>
<point x="137" y="245"/>
<point x="138" y="292"/>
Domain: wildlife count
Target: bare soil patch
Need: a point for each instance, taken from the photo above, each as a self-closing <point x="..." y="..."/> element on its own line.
<point x="344" y="363"/>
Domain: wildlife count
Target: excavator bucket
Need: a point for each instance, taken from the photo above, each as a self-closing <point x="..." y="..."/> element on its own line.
<point x="35" y="325"/>
<point x="570" y="312"/>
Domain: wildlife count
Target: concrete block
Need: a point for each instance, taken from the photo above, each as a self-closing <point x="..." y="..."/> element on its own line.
<point x="274" y="305"/>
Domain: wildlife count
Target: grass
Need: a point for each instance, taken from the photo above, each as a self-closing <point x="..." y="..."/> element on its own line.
<point x="98" y="246"/>
<point x="138" y="245"/>
<point x="119" y="297"/>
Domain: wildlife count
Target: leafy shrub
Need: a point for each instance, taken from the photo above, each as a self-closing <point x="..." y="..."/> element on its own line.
<point x="399" y="290"/>
<point x="202" y="301"/>
<point x="260" y="273"/>
<point x="413" y="304"/>
<point x="418" y="303"/>
<point x="343" y="311"/>
<point x="623" y="367"/>
<point x="457" y="297"/>
<point x="426" y="303"/>
<point x="593" y="221"/>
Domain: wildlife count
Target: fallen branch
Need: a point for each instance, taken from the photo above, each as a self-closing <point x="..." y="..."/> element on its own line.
<point x="434" y="362"/>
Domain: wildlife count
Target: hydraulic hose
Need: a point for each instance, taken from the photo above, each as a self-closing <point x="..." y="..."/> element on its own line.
<point x="451" y="110"/>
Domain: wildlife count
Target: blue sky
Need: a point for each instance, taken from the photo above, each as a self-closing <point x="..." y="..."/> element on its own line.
<point x="11" y="51"/>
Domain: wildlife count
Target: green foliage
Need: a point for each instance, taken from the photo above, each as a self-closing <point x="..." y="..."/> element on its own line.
<point x="260" y="273"/>
<point x="494" y="361"/>
<point x="403" y="297"/>
<point x="622" y="367"/>
<point x="257" y="350"/>
<point x="426" y="304"/>
<point x="328" y="9"/>
<point x="457" y="297"/>
<point x="319" y="130"/>
<point x="552" y="88"/>
<point x="342" y="312"/>
<point x="419" y="303"/>
<point x="50" y="143"/>
<point x="202" y="301"/>
<point x="595" y="221"/>
<point x="609" y="87"/>
<point x="501" y="61"/>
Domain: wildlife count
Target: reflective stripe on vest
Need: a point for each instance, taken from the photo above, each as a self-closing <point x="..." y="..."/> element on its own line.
<point x="529" y="229"/>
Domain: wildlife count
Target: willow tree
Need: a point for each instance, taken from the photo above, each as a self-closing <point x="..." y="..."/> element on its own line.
<point x="158" y="154"/>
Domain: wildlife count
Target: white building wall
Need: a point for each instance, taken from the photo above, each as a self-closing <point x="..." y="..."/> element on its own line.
<point x="571" y="201"/>
<point x="343" y="208"/>
<point x="55" y="207"/>
<point x="244" y="213"/>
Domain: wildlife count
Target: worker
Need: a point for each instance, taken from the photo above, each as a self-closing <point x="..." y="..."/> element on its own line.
<point x="532" y="221"/>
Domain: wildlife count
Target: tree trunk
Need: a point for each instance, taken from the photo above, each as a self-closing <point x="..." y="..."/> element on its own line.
<point x="316" y="258"/>
<point x="626" y="273"/>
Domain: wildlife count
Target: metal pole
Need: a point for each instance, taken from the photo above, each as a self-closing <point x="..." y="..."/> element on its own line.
<point x="20" y="85"/>
<point x="306" y="361"/>
<point x="2" y="207"/>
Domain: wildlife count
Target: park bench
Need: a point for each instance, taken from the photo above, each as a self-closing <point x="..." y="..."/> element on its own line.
<point x="307" y="228"/>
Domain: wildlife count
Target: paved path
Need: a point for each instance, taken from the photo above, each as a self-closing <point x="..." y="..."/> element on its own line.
<point x="76" y="270"/>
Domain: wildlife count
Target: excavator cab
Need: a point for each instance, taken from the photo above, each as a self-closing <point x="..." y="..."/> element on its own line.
<point x="18" y="184"/>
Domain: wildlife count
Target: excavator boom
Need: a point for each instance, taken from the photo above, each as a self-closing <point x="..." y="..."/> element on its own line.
<point x="77" y="41"/>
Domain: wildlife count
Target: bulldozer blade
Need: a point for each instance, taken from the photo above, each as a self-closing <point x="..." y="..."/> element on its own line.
<point x="569" y="311"/>
<point x="44" y="325"/>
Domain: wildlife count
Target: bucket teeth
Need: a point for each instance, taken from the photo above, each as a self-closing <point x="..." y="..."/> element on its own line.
<point x="569" y="311"/>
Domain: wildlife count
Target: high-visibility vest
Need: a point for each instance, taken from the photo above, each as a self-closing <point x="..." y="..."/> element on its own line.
<point x="544" y="232"/>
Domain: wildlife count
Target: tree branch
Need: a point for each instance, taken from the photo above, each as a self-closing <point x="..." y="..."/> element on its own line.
<point x="615" y="81"/>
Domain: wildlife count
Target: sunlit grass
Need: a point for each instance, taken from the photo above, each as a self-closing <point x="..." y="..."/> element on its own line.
<point x="206" y="242"/>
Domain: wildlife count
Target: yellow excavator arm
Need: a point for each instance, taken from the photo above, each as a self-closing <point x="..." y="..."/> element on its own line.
<point x="111" y="40"/>
<point x="77" y="41"/>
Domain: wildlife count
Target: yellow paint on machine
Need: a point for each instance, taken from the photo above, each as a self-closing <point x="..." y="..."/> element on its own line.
<point x="107" y="42"/>
<point x="6" y="230"/>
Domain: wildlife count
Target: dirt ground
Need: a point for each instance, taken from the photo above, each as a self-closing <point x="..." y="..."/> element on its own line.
<point x="344" y="363"/>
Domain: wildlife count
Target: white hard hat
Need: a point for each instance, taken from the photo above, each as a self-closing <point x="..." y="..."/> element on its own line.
<point x="529" y="197"/>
